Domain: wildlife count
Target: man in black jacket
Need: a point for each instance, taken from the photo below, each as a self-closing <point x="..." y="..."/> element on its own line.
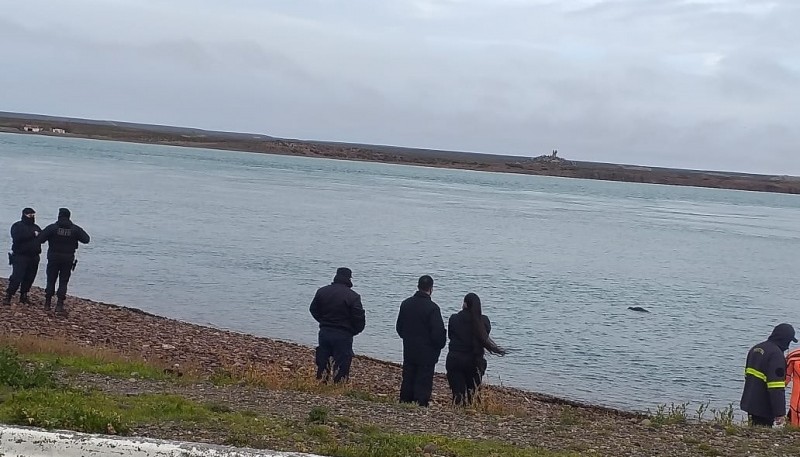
<point x="62" y="238"/>
<point x="340" y="314"/>
<point x="420" y="325"/>
<point x="24" y="256"/>
<point x="764" y="397"/>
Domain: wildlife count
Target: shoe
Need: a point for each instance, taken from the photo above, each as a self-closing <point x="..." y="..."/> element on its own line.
<point x="7" y="300"/>
<point x="60" y="307"/>
<point x="23" y="298"/>
<point x="47" y="301"/>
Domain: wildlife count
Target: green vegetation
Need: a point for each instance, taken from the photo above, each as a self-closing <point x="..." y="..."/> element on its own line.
<point x="31" y="396"/>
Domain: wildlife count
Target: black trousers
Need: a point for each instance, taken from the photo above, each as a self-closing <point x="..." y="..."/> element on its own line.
<point x="336" y="344"/>
<point x="23" y="273"/>
<point x="417" y="384"/>
<point x="58" y="269"/>
<point x="464" y="373"/>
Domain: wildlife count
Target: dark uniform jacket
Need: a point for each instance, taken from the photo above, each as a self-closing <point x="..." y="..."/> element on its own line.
<point x="420" y="325"/>
<point x="765" y="381"/>
<point x="23" y="237"/>
<point x="62" y="238"/>
<point x="337" y="306"/>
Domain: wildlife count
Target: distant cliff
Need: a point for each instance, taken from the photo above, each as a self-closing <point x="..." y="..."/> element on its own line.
<point x="549" y="165"/>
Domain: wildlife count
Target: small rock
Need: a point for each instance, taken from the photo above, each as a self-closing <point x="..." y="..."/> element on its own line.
<point x="429" y="448"/>
<point x="131" y="379"/>
<point x="646" y="422"/>
<point x="167" y="346"/>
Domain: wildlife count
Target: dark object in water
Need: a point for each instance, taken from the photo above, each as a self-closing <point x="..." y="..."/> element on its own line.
<point x="638" y="308"/>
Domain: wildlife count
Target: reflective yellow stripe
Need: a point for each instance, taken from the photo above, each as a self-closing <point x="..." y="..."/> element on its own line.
<point x="776" y="385"/>
<point x="756" y="373"/>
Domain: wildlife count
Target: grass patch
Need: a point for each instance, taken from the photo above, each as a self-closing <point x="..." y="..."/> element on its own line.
<point x="82" y="359"/>
<point x="16" y="374"/>
<point x="668" y="415"/>
<point x="378" y="444"/>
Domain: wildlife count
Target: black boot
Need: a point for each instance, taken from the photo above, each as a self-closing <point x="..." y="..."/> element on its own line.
<point x="7" y="300"/>
<point x="47" y="300"/>
<point x="23" y="298"/>
<point x="60" y="307"/>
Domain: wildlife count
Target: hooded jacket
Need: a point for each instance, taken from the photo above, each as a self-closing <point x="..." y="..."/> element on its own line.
<point x="765" y="375"/>
<point x="62" y="238"/>
<point x="23" y="237"/>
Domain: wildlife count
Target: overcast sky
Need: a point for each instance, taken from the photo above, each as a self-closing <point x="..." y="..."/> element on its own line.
<point x="710" y="84"/>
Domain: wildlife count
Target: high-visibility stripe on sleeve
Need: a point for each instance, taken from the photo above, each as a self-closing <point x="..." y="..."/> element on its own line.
<point x="756" y="373"/>
<point x="776" y="385"/>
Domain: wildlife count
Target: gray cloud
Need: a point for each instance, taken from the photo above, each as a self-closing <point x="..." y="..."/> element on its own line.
<point x="699" y="84"/>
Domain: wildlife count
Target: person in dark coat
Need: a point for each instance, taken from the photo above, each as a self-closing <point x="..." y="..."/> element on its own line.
<point x="24" y="256"/>
<point x="340" y="314"/>
<point x="469" y="339"/>
<point x="420" y="325"/>
<point x="62" y="238"/>
<point x="764" y="397"/>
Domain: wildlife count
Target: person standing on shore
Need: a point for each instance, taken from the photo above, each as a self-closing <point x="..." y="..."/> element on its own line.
<point x="469" y="339"/>
<point x="793" y="378"/>
<point x="340" y="314"/>
<point x="420" y="325"/>
<point x="62" y="238"/>
<point x="764" y="397"/>
<point x="24" y="256"/>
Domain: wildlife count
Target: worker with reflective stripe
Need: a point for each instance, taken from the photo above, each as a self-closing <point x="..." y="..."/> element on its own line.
<point x="764" y="397"/>
<point x="793" y="378"/>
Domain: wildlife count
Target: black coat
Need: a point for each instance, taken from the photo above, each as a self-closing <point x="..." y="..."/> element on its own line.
<point x="420" y="325"/>
<point x="62" y="238"/>
<point x="23" y="237"/>
<point x="337" y="306"/>
<point x="764" y="385"/>
<point x="462" y="334"/>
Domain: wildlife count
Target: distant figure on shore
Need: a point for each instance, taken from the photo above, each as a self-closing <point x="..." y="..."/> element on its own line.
<point x="420" y="325"/>
<point x="764" y="397"/>
<point x="793" y="378"/>
<point x="24" y="258"/>
<point x="340" y="314"/>
<point x="62" y="238"/>
<point x="469" y="339"/>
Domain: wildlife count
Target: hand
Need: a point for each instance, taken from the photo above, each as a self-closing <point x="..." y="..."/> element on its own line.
<point x="780" y="420"/>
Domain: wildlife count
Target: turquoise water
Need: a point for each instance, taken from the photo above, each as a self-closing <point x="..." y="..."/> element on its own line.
<point x="241" y="241"/>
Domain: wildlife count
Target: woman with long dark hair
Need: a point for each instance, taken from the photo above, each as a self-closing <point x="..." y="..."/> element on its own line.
<point x="469" y="340"/>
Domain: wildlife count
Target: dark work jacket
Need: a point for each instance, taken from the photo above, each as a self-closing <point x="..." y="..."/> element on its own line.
<point x="462" y="334"/>
<point x="764" y="384"/>
<point x="23" y="237"/>
<point x="337" y="306"/>
<point x="420" y="325"/>
<point x="62" y="239"/>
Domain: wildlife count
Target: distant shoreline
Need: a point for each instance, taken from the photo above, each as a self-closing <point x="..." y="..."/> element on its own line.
<point x="545" y="165"/>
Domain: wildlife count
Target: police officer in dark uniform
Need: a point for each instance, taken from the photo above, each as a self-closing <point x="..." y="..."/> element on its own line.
<point x="338" y="309"/>
<point x="62" y="238"/>
<point x="24" y="256"/>
<point x="763" y="397"/>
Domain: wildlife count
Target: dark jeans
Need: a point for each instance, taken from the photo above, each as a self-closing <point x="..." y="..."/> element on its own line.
<point x="58" y="270"/>
<point x="25" y="268"/>
<point x="761" y="421"/>
<point x="339" y="345"/>
<point x="464" y="373"/>
<point x="417" y="384"/>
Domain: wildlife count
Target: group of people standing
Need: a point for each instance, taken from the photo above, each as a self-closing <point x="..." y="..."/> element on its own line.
<point x="340" y="314"/>
<point x="27" y="238"/>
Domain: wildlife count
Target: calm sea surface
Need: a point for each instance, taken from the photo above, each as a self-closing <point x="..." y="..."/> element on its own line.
<point x="241" y="241"/>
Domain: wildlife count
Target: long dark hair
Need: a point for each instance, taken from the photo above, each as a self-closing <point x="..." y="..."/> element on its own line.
<point x="473" y="303"/>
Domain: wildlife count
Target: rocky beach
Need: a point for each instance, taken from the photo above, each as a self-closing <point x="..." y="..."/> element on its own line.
<point x="274" y="379"/>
